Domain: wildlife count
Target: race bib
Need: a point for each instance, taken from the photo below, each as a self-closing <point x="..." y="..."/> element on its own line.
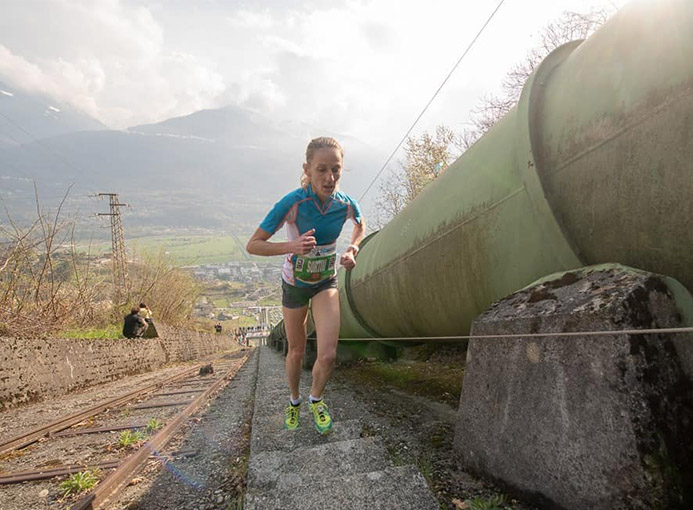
<point x="316" y="266"/>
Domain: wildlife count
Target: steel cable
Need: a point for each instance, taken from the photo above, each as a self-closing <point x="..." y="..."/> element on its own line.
<point x="469" y="47"/>
<point x="655" y="331"/>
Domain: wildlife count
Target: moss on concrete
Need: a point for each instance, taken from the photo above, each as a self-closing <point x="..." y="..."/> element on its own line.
<point x="435" y="380"/>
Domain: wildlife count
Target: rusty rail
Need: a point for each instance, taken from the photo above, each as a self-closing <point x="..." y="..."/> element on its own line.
<point x="99" y="430"/>
<point x="45" y="474"/>
<point x="34" y="435"/>
<point x="113" y="483"/>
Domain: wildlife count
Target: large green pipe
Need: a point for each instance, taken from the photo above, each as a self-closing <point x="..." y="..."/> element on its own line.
<point x="594" y="165"/>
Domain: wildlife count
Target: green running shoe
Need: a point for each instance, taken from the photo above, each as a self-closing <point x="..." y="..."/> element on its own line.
<point x="323" y="420"/>
<point x="291" y="417"/>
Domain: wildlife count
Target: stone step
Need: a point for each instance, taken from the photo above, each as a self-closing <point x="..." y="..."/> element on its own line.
<point x="315" y="463"/>
<point x="269" y="434"/>
<point x="273" y="403"/>
<point x="306" y="470"/>
<point x="392" y="488"/>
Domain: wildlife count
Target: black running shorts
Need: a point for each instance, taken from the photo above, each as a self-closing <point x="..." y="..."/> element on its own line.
<point x="298" y="297"/>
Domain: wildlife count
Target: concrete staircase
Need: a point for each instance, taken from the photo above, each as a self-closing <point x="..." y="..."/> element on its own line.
<point x="303" y="470"/>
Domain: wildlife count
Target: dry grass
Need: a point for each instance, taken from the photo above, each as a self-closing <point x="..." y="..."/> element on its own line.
<point x="46" y="286"/>
<point x="168" y="291"/>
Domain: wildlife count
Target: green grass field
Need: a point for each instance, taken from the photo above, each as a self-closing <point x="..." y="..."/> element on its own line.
<point x="184" y="249"/>
<point x="112" y="331"/>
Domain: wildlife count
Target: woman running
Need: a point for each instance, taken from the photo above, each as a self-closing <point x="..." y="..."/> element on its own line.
<point x="314" y="215"/>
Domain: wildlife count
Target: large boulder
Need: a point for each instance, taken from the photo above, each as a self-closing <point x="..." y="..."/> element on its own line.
<point x="598" y="422"/>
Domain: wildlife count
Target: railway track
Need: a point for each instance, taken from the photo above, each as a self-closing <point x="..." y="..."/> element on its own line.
<point x="113" y="438"/>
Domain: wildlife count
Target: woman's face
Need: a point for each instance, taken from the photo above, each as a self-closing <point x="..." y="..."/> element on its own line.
<point x="324" y="171"/>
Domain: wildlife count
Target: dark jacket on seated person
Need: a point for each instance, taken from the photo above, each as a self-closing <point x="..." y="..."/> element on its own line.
<point x="134" y="326"/>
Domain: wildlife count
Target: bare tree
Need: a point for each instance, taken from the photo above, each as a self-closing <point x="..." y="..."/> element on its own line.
<point x="429" y="155"/>
<point x="426" y="157"/>
<point x="167" y="289"/>
<point x="391" y="198"/>
<point x="45" y="284"/>
<point x="571" y="26"/>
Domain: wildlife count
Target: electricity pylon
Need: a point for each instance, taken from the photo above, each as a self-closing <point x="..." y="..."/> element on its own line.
<point x="120" y="270"/>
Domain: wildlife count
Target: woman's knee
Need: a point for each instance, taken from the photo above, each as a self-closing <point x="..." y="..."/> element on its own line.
<point x="328" y="358"/>
<point x="296" y="352"/>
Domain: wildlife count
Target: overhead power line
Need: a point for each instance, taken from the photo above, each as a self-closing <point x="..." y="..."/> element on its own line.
<point x="469" y="47"/>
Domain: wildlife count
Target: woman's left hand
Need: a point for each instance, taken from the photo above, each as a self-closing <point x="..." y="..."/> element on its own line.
<point x="347" y="260"/>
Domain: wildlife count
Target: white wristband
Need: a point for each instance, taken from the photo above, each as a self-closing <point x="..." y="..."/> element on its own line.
<point x="354" y="248"/>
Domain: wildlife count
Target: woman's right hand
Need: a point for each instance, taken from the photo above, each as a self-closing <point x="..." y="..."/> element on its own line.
<point x="305" y="243"/>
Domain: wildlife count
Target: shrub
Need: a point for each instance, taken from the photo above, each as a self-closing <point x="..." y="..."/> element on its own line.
<point x="130" y="437"/>
<point x="152" y="425"/>
<point x="80" y="482"/>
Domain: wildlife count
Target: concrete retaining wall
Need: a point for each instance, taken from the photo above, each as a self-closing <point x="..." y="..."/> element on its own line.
<point x="586" y="422"/>
<point x="35" y="369"/>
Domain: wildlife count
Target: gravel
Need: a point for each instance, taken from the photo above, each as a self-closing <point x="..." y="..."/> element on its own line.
<point x="218" y="433"/>
<point x="215" y="477"/>
<point x="415" y="430"/>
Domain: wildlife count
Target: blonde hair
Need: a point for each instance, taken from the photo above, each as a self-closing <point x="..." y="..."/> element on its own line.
<point x="322" y="142"/>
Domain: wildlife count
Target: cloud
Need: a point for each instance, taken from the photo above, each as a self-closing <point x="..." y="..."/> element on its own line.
<point x="107" y="58"/>
<point x="295" y="60"/>
<point x="378" y="35"/>
<point x="25" y="74"/>
<point x="253" y="20"/>
<point x="364" y="67"/>
<point x="359" y="67"/>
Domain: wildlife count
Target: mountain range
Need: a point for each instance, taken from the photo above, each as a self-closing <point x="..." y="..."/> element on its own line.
<point x="213" y="169"/>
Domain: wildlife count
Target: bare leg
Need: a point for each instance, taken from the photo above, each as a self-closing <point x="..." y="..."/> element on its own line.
<point x="325" y="306"/>
<point x="295" y="324"/>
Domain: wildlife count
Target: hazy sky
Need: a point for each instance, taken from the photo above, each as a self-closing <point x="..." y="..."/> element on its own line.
<point x="360" y="67"/>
